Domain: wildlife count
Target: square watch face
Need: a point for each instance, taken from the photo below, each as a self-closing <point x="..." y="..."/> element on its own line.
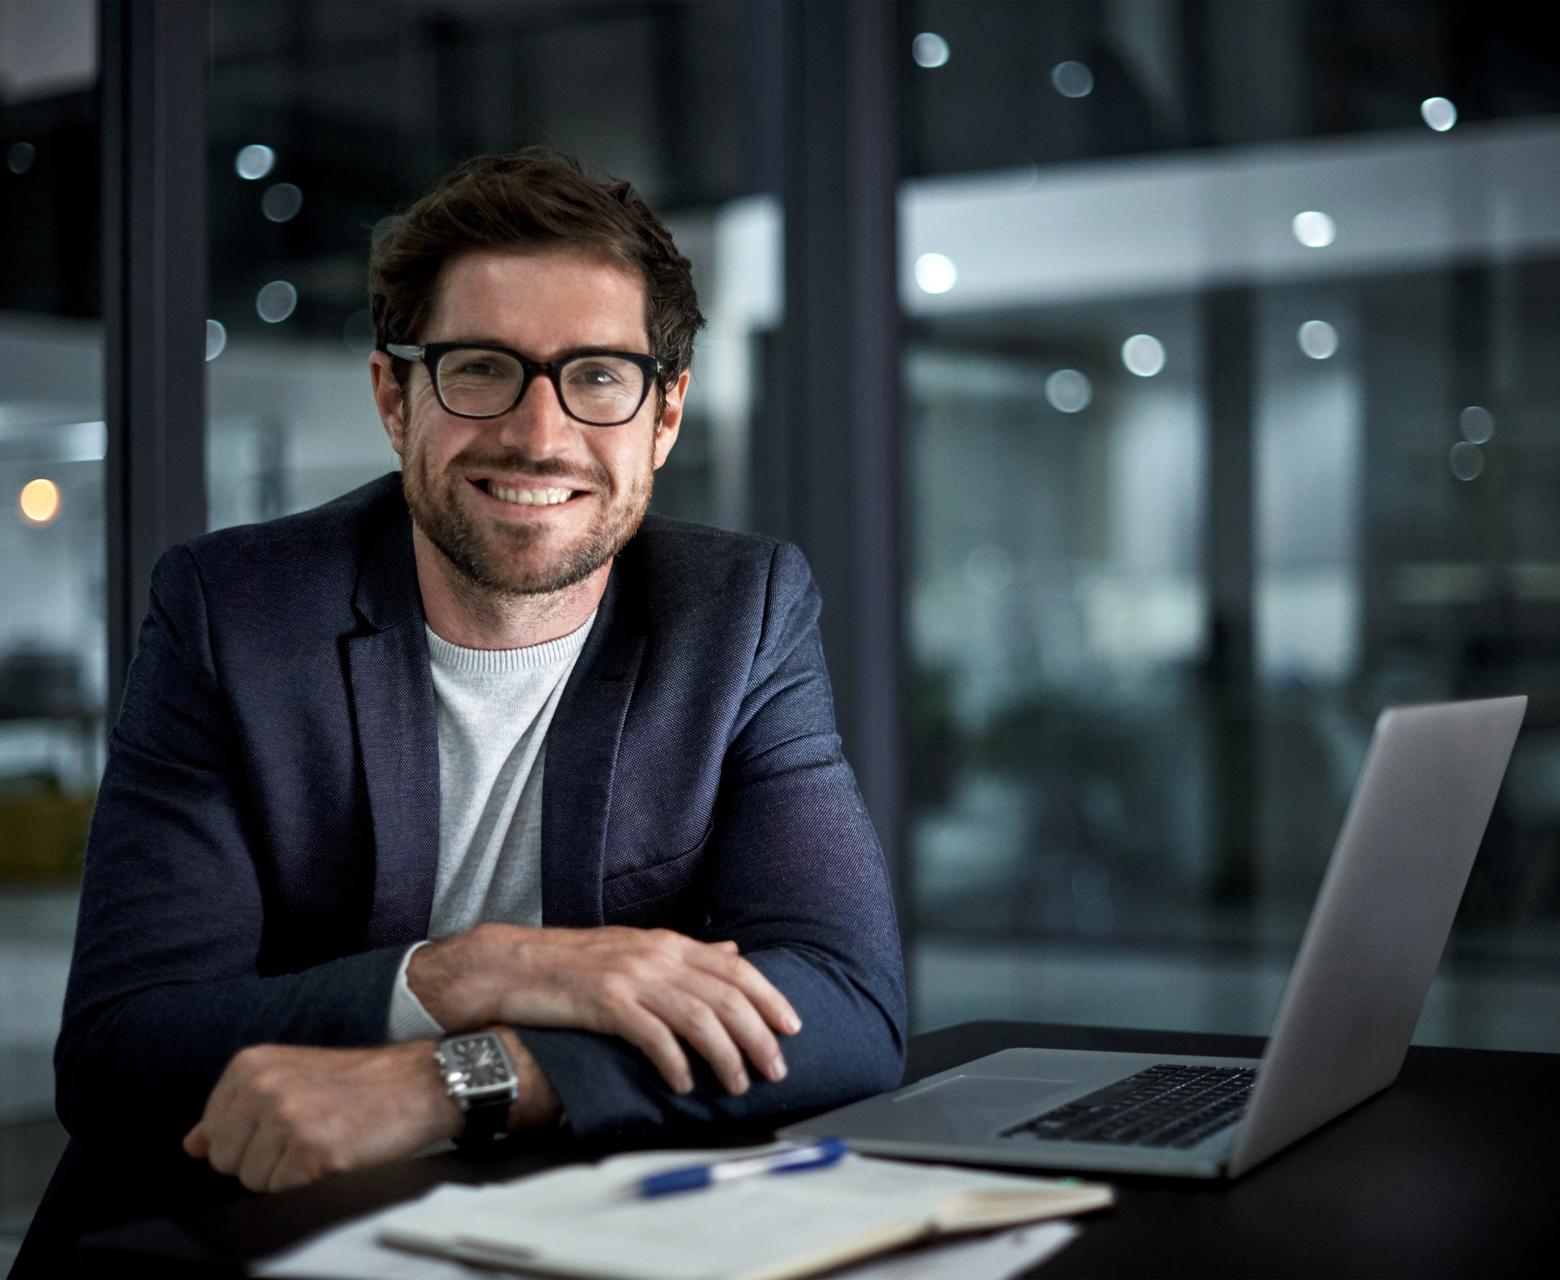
<point x="476" y="1063"/>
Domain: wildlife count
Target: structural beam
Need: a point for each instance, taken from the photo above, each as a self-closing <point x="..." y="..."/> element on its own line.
<point x="155" y="55"/>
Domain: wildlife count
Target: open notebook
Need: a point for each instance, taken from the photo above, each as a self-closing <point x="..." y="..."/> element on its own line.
<point x="587" y="1220"/>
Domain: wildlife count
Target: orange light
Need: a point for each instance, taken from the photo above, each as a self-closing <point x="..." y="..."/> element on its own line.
<point x="40" y="501"/>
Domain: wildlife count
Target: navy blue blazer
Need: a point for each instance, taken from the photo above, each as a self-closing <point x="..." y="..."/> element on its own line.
<point x="266" y="834"/>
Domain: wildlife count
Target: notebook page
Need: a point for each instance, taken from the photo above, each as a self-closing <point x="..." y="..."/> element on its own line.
<point x="589" y="1221"/>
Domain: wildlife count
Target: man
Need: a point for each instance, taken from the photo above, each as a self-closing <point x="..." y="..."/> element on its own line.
<point x="481" y="750"/>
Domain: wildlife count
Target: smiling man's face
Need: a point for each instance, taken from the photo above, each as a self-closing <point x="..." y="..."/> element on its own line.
<point x="530" y="502"/>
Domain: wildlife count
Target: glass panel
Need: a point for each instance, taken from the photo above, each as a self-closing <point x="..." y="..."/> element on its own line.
<point x="52" y="635"/>
<point x="327" y="118"/>
<point x="1213" y="451"/>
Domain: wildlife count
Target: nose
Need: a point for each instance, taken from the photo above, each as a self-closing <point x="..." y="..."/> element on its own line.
<point x="537" y="425"/>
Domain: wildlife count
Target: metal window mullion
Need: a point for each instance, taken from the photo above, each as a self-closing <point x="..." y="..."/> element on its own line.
<point x="155" y="55"/>
<point x="840" y="373"/>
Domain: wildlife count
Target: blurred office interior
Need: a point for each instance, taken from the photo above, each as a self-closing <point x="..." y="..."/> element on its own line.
<point x="1204" y="410"/>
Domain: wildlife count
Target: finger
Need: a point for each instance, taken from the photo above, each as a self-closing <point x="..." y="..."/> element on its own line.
<point x="749" y="1027"/>
<point x="228" y="1132"/>
<point x="298" y="1165"/>
<point x="196" y="1143"/>
<point x="775" y="1009"/>
<point x="261" y="1155"/>
<point x="653" y="1038"/>
<point x="690" y="1015"/>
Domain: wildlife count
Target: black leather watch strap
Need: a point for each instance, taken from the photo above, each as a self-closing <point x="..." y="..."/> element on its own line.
<point x="484" y="1123"/>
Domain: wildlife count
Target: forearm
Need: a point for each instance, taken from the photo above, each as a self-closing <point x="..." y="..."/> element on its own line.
<point x="850" y="1045"/>
<point x="141" y="1066"/>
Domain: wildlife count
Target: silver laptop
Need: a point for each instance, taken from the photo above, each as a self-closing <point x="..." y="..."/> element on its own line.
<point x="1376" y="933"/>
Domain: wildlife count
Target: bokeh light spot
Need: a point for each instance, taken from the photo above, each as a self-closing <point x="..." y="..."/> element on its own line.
<point x="276" y="301"/>
<point x="254" y="161"/>
<point x="39" y="501"/>
<point x="1318" y="339"/>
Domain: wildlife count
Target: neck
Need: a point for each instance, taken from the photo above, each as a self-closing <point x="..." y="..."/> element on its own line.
<point x="464" y="614"/>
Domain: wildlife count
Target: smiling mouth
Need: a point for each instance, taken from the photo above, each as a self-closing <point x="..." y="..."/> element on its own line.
<point x="525" y="497"/>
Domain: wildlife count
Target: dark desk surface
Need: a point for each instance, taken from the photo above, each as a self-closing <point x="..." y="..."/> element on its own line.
<point x="1448" y="1173"/>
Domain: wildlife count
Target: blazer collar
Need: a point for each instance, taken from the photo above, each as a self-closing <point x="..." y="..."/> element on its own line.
<point x="397" y="729"/>
<point x="582" y="750"/>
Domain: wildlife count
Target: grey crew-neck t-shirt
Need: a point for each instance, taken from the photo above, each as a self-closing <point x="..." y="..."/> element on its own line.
<point x="494" y="710"/>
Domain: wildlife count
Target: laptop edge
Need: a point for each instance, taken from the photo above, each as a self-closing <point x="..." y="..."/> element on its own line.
<point x="1354" y="994"/>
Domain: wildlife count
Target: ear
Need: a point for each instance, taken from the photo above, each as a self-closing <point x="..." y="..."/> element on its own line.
<point x="389" y="399"/>
<point x="671" y="419"/>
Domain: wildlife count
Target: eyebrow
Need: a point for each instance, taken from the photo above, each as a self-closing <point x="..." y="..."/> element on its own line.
<point x="594" y="349"/>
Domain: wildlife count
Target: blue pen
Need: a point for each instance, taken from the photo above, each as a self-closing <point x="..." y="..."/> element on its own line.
<point x="817" y="1155"/>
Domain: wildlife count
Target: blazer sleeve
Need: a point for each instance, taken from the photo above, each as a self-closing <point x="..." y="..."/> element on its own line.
<point x="798" y="880"/>
<point x="166" y="979"/>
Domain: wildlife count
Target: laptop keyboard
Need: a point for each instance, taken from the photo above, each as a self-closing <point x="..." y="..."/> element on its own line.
<point x="1166" y="1105"/>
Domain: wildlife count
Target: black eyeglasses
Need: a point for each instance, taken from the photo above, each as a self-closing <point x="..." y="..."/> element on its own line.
<point x="598" y="388"/>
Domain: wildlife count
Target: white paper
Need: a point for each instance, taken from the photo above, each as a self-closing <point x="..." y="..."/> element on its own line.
<point x="352" y="1251"/>
<point x="591" y="1215"/>
<point x="984" y="1257"/>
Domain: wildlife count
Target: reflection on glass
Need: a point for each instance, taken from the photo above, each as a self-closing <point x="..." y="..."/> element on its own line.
<point x="281" y="202"/>
<point x="254" y="161"/>
<point x="1148" y="643"/>
<point x="1318" y="339"/>
<point x="935" y="273"/>
<point x="1315" y="229"/>
<point x="276" y="301"/>
<point x="1467" y="461"/>
<point x="19" y="157"/>
<point x="1439" y="113"/>
<point x="216" y="339"/>
<point x="1072" y="79"/>
<point x="1069" y="391"/>
<point x="1143" y="354"/>
<point x="1477" y="423"/>
<point x="929" y="50"/>
<point x="39" y="501"/>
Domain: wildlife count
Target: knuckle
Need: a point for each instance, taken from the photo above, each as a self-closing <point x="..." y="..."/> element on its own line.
<point x="292" y="1113"/>
<point x="702" y="1021"/>
<point x="331" y="1160"/>
<point x="617" y="992"/>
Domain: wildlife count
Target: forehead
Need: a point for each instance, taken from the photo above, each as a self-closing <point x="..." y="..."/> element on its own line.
<point x="539" y="301"/>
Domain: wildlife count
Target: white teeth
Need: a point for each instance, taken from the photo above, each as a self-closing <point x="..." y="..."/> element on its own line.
<point x="530" y="497"/>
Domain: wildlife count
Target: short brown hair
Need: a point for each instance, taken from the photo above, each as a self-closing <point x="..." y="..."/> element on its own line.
<point x="537" y="198"/>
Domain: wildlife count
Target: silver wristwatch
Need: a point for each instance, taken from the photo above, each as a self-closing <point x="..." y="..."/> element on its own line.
<point x="480" y="1077"/>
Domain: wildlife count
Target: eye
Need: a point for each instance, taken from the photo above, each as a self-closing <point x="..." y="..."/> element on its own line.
<point x="475" y="365"/>
<point x="595" y="375"/>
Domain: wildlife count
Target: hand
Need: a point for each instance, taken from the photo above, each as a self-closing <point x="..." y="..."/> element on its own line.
<point x="649" y="986"/>
<point x="282" y="1115"/>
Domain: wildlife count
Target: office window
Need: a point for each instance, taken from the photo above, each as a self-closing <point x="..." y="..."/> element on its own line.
<point x="52" y="634"/>
<point x="326" y="119"/>
<point x="1229" y="389"/>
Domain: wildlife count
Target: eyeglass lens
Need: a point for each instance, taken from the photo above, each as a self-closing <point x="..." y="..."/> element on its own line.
<point x="594" y="388"/>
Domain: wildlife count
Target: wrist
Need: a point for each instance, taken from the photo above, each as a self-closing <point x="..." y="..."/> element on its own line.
<point x="450" y="979"/>
<point x="537" y="1105"/>
<point x="441" y="1116"/>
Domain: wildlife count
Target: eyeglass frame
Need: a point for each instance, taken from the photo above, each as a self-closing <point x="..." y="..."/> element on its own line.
<point x="429" y="354"/>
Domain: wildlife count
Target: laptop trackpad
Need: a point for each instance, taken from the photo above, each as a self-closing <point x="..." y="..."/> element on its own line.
<point x="970" y="1106"/>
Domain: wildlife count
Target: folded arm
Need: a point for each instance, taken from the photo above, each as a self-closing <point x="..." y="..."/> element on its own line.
<point x="167" y="986"/>
<point x="797" y="880"/>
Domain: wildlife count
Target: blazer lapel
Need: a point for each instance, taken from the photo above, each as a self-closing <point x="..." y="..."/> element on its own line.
<point x="397" y="733"/>
<point x="582" y="751"/>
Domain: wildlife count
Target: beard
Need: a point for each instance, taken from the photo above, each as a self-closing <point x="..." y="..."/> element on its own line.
<point x="503" y="560"/>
